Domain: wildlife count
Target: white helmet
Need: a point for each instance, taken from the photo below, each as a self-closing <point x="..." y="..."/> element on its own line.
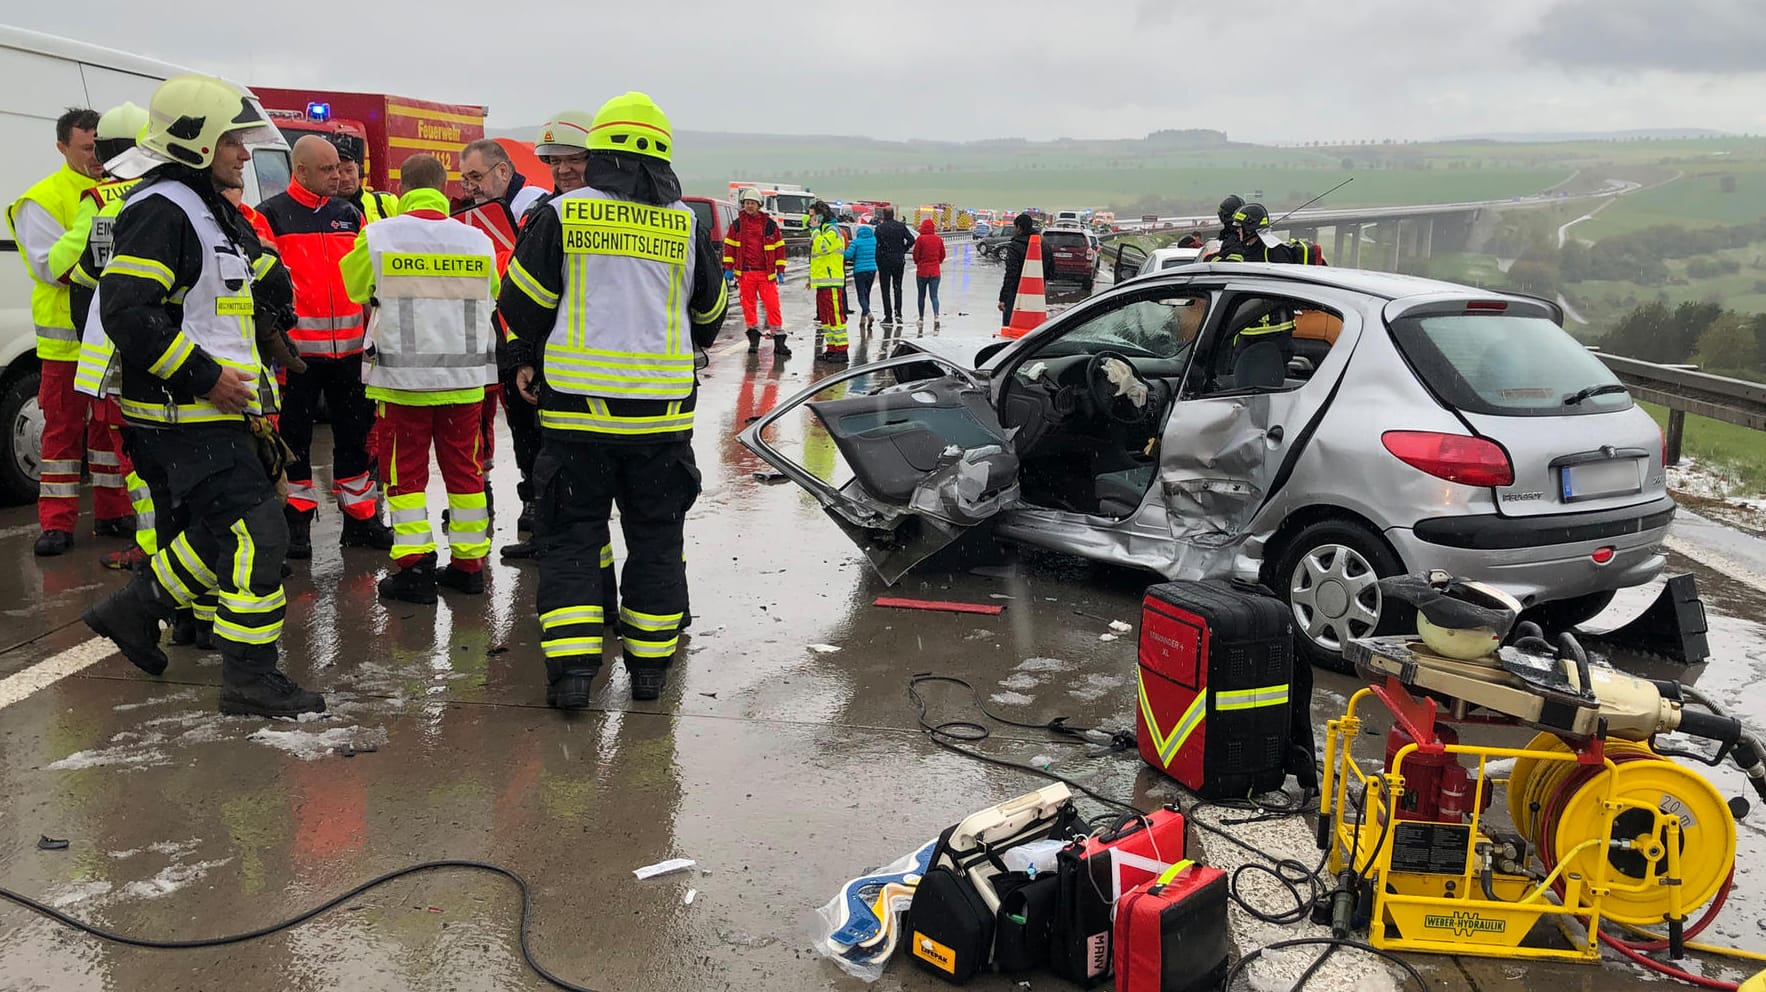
<point x="186" y="119"/>
<point x="564" y="133"/>
<point x="751" y="194"/>
<point x="118" y="130"/>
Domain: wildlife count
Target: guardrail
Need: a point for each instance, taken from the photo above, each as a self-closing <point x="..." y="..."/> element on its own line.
<point x="1683" y="390"/>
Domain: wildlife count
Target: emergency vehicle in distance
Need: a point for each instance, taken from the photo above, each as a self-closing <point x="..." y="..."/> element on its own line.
<point x="385" y="128"/>
<point x="786" y="203"/>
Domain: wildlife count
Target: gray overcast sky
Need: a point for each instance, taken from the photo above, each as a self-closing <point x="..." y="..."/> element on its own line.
<point x="960" y="69"/>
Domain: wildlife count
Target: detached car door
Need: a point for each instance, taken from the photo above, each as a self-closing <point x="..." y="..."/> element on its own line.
<point x="929" y="459"/>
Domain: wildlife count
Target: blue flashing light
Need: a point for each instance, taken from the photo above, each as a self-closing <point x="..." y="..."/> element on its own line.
<point x="319" y="111"/>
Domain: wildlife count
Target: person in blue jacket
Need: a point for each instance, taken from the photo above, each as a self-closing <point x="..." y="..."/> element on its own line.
<point x="862" y="253"/>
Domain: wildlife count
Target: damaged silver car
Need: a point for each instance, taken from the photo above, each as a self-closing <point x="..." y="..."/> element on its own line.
<point x="1308" y="428"/>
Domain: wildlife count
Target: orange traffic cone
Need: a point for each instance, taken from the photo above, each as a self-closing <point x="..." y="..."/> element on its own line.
<point x="1032" y="307"/>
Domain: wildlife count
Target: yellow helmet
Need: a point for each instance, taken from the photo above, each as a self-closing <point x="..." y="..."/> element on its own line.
<point x="188" y="115"/>
<point x="632" y="122"/>
<point x="123" y="122"/>
<point x="564" y="133"/>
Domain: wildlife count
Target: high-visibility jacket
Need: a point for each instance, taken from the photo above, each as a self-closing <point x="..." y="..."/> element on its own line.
<point x="435" y="282"/>
<point x="97" y="211"/>
<point x="611" y="295"/>
<point x="216" y="315"/>
<point x="755" y="244"/>
<point x="314" y="233"/>
<point x="58" y="195"/>
<point x="827" y="258"/>
<point x="374" y="205"/>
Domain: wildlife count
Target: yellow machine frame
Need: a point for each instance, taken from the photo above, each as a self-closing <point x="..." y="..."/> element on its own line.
<point x="1449" y="914"/>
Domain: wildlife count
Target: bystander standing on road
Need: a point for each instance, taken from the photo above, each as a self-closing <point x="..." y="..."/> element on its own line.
<point x="1014" y="253"/>
<point x="928" y="266"/>
<point x="893" y="242"/>
<point x="862" y="253"/>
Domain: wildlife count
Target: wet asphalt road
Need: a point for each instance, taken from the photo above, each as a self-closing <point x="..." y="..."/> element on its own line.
<point x="782" y="770"/>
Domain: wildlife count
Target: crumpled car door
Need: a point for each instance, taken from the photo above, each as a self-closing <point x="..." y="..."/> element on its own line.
<point x="929" y="461"/>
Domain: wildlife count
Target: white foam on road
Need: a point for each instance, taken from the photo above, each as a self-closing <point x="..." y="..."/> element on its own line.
<point x="45" y="673"/>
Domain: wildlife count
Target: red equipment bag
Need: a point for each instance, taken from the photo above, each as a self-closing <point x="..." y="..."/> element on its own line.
<point x="1215" y="671"/>
<point x="1096" y="872"/>
<point x="1171" y="932"/>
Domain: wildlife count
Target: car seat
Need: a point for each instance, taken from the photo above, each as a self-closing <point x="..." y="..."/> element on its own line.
<point x="1120" y="493"/>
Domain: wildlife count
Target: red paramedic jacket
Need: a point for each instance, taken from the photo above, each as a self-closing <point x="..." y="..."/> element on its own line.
<point x="314" y="233"/>
<point x="755" y="244"/>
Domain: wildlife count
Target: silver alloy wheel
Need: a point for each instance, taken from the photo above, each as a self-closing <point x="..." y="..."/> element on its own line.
<point x="27" y="439"/>
<point x="1335" y="596"/>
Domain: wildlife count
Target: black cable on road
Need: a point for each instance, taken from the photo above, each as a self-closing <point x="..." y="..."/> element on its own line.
<point x="295" y="921"/>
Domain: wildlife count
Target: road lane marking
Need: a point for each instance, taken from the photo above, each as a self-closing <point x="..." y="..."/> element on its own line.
<point x="49" y="671"/>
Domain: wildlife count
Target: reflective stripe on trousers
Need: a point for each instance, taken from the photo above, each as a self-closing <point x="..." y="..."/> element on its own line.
<point x="358" y="496"/>
<point x="146" y="519"/>
<point x="572" y="631"/>
<point x="411" y="533"/>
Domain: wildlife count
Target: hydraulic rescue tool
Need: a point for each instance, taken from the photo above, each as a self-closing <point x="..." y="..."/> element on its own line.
<point x="1601" y="826"/>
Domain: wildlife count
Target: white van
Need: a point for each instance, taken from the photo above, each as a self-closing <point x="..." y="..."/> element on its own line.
<point x="40" y="77"/>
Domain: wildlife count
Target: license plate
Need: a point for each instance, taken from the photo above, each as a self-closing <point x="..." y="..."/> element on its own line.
<point x="1619" y="477"/>
<point x="1065" y="254"/>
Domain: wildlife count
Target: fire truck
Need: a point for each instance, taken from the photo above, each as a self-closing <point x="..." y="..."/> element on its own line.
<point x="385" y="129"/>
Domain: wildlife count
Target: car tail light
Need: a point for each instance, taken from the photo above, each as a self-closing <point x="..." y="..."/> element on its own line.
<point x="1602" y="555"/>
<point x="1487" y="306"/>
<point x="1471" y="461"/>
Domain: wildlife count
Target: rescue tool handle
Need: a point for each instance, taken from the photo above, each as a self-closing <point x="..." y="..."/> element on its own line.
<point x="1722" y="729"/>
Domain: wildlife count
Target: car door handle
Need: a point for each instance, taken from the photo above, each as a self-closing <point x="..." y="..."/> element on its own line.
<point x="1274" y="433"/>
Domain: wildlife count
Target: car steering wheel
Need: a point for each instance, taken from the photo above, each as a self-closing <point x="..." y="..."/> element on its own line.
<point x="1102" y="391"/>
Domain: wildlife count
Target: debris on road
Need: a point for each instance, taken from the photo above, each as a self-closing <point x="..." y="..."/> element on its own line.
<point x="48" y="843"/>
<point x="692" y="894"/>
<point x="663" y="868"/>
<point x="1121" y="627"/>
<point x="1106" y="637"/>
<point x="824" y="648"/>
<point x="770" y="477"/>
<point x="938" y="606"/>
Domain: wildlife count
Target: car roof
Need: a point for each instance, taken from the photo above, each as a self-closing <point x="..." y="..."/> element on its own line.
<point x="1172" y="251"/>
<point x="1387" y="285"/>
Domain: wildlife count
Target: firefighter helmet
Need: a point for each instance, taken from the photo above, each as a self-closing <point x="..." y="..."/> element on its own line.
<point x="750" y="194"/>
<point x="118" y="130"/>
<point x="1252" y="215"/>
<point x="186" y="119"/>
<point x="632" y="122"/>
<point x="564" y="133"/>
<point x="1230" y="206"/>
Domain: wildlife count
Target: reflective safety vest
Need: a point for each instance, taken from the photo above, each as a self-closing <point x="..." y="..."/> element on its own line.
<point x="432" y="330"/>
<point x="96" y="372"/>
<point x="375" y="205"/>
<point x="59" y="194"/>
<point x="218" y="316"/>
<point x="827" y="258"/>
<point x="622" y="329"/>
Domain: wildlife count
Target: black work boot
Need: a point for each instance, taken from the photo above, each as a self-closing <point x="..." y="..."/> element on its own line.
<point x="115" y="527"/>
<point x="780" y="349"/>
<point x="460" y="580"/>
<point x="184" y="628"/>
<point x="753" y="340"/>
<point x="130" y="618"/>
<point x="647" y="682"/>
<point x="53" y="542"/>
<point x="412" y="585"/>
<point x="369" y="533"/>
<point x="268" y="694"/>
<point x="300" y="533"/>
<point x="570" y="691"/>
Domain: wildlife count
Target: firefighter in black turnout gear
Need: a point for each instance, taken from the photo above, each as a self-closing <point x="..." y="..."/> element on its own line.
<point x="1261" y="350"/>
<point x="1228" y="207"/>
<point x="178" y="297"/>
<point x="611" y="287"/>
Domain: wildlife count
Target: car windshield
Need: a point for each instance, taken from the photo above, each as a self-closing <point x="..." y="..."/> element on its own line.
<point x="1506" y="365"/>
<point x="1159" y="328"/>
<point x="792" y="203"/>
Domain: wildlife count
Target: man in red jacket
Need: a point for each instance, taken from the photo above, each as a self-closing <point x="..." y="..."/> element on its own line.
<point x="314" y="231"/>
<point x="754" y="261"/>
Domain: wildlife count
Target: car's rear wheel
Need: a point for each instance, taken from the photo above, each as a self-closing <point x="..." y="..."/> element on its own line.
<point x="21" y="447"/>
<point x="1564" y="614"/>
<point x="1329" y="574"/>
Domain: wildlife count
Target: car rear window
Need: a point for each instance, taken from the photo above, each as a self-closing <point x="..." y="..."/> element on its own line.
<point x="1506" y="365"/>
<point x="1065" y="239"/>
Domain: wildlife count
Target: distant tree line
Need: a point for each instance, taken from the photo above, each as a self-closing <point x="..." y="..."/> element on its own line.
<point x="1719" y="341"/>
